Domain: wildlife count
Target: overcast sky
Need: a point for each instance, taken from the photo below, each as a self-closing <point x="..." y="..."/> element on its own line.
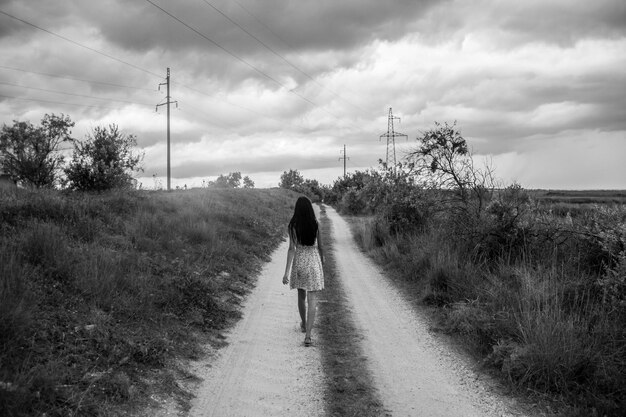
<point x="264" y="86"/>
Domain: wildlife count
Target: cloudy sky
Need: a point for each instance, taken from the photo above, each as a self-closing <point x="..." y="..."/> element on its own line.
<point x="264" y="86"/>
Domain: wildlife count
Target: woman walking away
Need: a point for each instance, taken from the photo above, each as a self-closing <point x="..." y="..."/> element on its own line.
<point x="305" y="259"/>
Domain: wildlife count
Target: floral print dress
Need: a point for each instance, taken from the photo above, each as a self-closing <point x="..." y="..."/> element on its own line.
<point x="307" y="272"/>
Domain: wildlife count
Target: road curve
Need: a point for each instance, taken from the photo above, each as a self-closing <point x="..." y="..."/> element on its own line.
<point x="414" y="374"/>
<point x="265" y="370"/>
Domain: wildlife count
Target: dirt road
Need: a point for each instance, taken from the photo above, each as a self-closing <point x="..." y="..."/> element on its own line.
<point x="415" y="375"/>
<point x="266" y="371"/>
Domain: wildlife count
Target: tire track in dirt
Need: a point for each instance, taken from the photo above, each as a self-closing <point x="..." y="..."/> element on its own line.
<point x="265" y="370"/>
<point x="414" y="374"/>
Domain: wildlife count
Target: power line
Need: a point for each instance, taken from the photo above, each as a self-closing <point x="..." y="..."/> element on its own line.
<point x="223" y="101"/>
<point x="269" y="77"/>
<point x="195" y="90"/>
<point x="151" y="72"/>
<point x="80" y="44"/>
<point x="58" y="102"/>
<point x="269" y="48"/>
<point x="262" y="24"/>
<point x="237" y="57"/>
<point x="72" y="94"/>
<point x="67" y="77"/>
<point x="137" y="88"/>
<point x="123" y="62"/>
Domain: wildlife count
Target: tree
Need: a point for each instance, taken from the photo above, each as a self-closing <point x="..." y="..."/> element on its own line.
<point x="352" y="181"/>
<point x="232" y="180"/>
<point x="444" y="153"/>
<point x="313" y="189"/>
<point x="291" y="180"/>
<point x="105" y="160"/>
<point x="221" y="182"/>
<point x="445" y="162"/>
<point x="29" y="153"/>
<point x="247" y="182"/>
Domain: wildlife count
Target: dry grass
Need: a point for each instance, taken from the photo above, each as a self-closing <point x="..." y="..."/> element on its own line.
<point x="349" y="387"/>
<point x="99" y="293"/>
<point x="546" y="326"/>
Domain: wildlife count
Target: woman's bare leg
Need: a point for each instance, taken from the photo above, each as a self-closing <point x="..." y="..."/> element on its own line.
<point x="312" y="296"/>
<point x="302" y="305"/>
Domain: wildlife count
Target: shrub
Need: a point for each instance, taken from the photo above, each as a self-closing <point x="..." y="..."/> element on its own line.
<point x="352" y="203"/>
<point x="405" y="211"/>
<point x="232" y="180"/>
<point x="540" y="296"/>
<point x="105" y="160"/>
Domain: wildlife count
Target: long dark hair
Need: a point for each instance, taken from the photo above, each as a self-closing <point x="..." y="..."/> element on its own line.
<point x="303" y="225"/>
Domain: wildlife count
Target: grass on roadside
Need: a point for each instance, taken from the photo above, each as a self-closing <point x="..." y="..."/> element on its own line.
<point x="545" y="330"/>
<point x="101" y="294"/>
<point x="349" y="387"/>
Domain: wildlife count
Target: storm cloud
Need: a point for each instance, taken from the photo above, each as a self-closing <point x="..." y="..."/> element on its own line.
<point x="266" y="86"/>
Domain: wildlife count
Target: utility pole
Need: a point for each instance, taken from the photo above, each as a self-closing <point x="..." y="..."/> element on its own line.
<point x="344" y="157"/>
<point x="167" y="102"/>
<point x="391" y="138"/>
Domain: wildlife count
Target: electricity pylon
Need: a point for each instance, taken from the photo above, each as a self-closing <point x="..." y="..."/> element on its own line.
<point x="391" y="136"/>
<point x="167" y="102"/>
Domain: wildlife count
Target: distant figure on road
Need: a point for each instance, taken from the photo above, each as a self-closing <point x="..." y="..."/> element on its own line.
<point x="305" y="259"/>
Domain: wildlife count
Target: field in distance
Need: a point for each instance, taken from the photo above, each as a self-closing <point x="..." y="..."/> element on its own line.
<point x="580" y="196"/>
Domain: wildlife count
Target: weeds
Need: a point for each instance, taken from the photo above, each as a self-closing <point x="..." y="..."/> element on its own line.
<point x="99" y="293"/>
<point x="534" y="282"/>
<point x="547" y="310"/>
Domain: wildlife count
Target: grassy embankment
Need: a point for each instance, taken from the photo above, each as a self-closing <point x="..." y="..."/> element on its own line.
<point x="548" y="311"/>
<point x="101" y="295"/>
<point x="349" y="388"/>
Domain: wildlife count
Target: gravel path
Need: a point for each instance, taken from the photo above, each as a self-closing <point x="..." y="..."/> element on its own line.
<point x="265" y="370"/>
<point x="415" y="374"/>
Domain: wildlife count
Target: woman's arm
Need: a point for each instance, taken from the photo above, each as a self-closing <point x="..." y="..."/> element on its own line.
<point x="319" y="246"/>
<point x="290" y="254"/>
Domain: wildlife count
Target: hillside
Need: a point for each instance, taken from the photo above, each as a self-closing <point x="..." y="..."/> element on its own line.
<point x="100" y="293"/>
